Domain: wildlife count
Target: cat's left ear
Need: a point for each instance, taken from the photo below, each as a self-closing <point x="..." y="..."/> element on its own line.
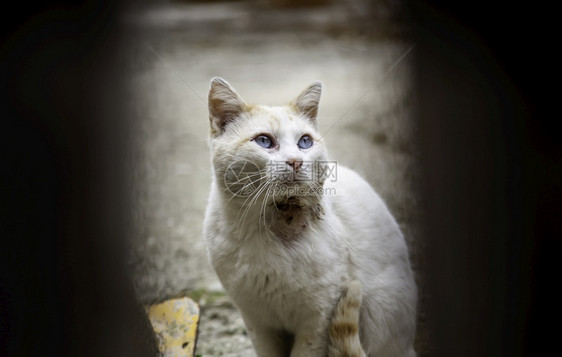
<point x="307" y="102"/>
<point x="225" y="105"/>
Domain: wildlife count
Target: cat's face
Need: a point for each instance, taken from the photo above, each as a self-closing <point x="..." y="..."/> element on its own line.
<point x="260" y="151"/>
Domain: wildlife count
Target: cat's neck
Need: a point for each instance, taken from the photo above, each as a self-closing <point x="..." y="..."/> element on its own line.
<point x="285" y="219"/>
<point x="290" y="220"/>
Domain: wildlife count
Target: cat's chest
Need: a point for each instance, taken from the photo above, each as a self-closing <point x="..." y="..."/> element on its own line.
<point x="280" y="286"/>
<point x="283" y="271"/>
<point x="265" y="263"/>
<point x="289" y="240"/>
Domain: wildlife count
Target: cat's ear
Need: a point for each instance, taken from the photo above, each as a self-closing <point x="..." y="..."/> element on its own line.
<point x="307" y="102"/>
<point x="225" y="105"/>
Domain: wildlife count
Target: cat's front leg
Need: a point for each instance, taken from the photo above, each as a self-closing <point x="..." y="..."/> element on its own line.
<point x="267" y="342"/>
<point x="311" y="340"/>
<point x="309" y="345"/>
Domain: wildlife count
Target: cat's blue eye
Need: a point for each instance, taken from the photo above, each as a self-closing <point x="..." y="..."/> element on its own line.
<point x="264" y="141"/>
<point x="305" y="142"/>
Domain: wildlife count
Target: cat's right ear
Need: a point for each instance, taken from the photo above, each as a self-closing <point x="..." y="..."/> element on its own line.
<point x="307" y="102"/>
<point x="225" y="105"/>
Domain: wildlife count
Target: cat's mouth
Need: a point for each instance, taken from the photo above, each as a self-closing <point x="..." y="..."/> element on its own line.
<point x="291" y="204"/>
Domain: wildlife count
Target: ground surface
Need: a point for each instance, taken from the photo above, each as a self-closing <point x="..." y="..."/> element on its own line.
<point x="269" y="57"/>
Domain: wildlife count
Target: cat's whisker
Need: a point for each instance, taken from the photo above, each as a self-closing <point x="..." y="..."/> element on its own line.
<point x="252" y="198"/>
<point x="251" y="183"/>
<point x="230" y="184"/>
<point x="271" y="182"/>
<point x="235" y="196"/>
<point x="274" y="203"/>
<point x="242" y="213"/>
<point x="253" y="201"/>
<point x="315" y="187"/>
<point x="262" y="215"/>
<point x="244" y="178"/>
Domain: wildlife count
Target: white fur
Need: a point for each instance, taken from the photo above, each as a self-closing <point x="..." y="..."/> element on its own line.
<point x="293" y="287"/>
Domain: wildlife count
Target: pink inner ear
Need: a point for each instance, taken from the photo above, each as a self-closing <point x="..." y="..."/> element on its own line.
<point x="307" y="102"/>
<point x="225" y="105"/>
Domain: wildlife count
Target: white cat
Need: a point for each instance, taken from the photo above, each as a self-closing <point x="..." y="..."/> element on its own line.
<point x="288" y="231"/>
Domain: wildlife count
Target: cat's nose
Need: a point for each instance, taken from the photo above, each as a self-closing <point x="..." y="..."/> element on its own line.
<point x="294" y="163"/>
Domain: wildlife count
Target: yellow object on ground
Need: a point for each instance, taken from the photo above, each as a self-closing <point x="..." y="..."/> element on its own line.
<point x="175" y="323"/>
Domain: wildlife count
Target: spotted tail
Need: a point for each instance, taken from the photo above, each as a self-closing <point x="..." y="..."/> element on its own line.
<point x="344" y="331"/>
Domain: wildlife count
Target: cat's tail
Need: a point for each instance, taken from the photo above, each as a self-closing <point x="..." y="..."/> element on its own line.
<point x="344" y="330"/>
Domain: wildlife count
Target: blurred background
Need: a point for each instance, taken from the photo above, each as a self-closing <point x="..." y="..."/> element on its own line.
<point x="269" y="51"/>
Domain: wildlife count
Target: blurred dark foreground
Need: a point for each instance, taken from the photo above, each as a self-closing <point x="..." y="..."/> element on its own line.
<point x="490" y="188"/>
